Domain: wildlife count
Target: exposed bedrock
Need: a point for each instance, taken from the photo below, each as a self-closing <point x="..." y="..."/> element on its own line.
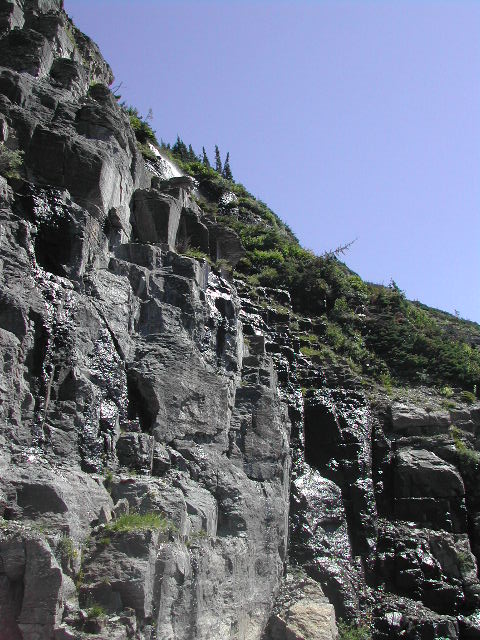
<point x="124" y="392"/>
<point x="171" y="466"/>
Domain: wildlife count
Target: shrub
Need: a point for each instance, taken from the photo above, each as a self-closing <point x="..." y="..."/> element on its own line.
<point x="96" y="611"/>
<point x="465" y="561"/>
<point x="10" y="162"/>
<point x="66" y="548"/>
<point x="446" y="391"/>
<point x="142" y="130"/>
<point x="146" y="152"/>
<point x="468" y="397"/>
<point x="468" y="458"/>
<point x="310" y="352"/>
<point x="198" y="254"/>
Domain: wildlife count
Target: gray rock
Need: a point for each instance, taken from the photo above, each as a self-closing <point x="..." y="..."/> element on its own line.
<point x="302" y="613"/>
<point x="415" y="420"/>
<point x="421" y="473"/>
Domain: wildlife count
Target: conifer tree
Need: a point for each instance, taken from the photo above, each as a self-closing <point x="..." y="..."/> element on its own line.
<point x="218" y="160"/>
<point x="180" y="149"/>
<point x="205" y="160"/>
<point x="191" y="154"/>
<point x="227" y="172"/>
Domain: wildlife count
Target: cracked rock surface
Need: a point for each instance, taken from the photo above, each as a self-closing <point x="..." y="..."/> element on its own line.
<point x="172" y="467"/>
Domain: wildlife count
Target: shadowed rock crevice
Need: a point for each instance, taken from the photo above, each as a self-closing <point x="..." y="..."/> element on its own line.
<point x="142" y="407"/>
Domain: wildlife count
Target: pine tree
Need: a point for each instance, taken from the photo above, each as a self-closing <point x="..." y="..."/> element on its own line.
<point x="227" y="172"/>
<point x="180" y="150"/>
<point x="218" y="160"/>
<point x="191" y="154"/>
<point x="205" y="160"/>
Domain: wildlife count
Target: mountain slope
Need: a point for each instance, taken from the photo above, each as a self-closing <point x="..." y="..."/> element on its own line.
<point x="207" y="432"/>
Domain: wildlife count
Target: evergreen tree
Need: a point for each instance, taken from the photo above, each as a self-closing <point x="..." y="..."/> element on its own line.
<point x="180" y="149"/>
<point x="218" y="160"/>
<point x="205" y="160"/>
<point x="191" y="154"/>
<point x="227" y="172"/>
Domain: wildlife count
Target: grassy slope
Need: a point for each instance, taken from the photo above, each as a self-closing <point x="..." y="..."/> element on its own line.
<point x="372" y="329"/>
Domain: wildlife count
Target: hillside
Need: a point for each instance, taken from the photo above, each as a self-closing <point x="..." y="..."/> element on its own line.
<point x="206" y="431"/>
<point x="372" y="329"/>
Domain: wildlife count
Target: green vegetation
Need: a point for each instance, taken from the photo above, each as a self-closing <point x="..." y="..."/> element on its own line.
<point x="193" y="252"/>
<point x="468" y="457"/>
<point x="446" y="391"/>
<point x="218" y="160"/>
<point x="197" y="536"/>
<point x="146" y="152"/>
<point x="143" y="131"/>
<point x="465" y="561"/>
<point x="96" y="611"/>
<point x="140" y="522"/>
<point x="468" y="397"/>
<point x="108" y="479"/>
<point x="371" y="329"/>
<point x="227" y="172"/>
<point x="353" y="632"/>
<point x="10" y="162"/>
<point x="66" y="548"/>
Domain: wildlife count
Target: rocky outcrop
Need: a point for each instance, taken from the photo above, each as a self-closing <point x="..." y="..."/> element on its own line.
<point x="172" y="465"/>
<point x="128" y="394"/>
<point x="302" y="613"/>
<point x="382" y="499"/>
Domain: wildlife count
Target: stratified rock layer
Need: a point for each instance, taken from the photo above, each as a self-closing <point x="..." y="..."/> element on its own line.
<point x="137" y="382"/>
<point x="121" y="378"/>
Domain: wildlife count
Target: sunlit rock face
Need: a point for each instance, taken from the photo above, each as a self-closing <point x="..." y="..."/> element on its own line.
<point x="172" y="466"/>
<point x="122" y="380"/>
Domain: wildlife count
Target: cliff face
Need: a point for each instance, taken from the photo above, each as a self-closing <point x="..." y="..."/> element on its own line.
<point x="167" y="453"/>
<point x="124" y="385"/>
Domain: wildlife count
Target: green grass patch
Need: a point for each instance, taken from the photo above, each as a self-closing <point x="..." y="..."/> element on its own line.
<point x="198" y="254"/>
<point x="140" y="522"/>
<point x="351" y="631"/>
<point x="468" y="397"/>
<point x="96" y="611"/>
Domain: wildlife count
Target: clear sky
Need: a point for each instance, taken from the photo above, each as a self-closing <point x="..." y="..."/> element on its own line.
<point x="350" y="119"/>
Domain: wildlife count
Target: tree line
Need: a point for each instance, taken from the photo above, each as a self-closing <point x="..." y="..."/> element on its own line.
<point x="187" y="154"/>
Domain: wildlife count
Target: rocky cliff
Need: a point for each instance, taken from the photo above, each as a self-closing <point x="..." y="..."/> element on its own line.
<point x="174" y="465"/>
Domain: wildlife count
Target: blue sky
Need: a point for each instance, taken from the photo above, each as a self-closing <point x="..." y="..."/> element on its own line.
<point x="350" y="119"/>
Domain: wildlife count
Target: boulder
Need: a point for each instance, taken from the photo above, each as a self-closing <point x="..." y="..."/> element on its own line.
<point x="420" y="473"/>
<point x="411" y="420"/>
<point x="302" y="613"/>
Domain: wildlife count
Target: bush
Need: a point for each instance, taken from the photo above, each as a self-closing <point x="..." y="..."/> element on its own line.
<point x="465" y="561"/>
<point x="446" y="392"/>
<point x="198" y="254"/>
<point x="142" y="130"/>
<point x="146" y="152"/>
<point x="66" y="548"/>
<point x="10" y="162"/>
<point x="468" y="397"/>
<point x="96" y="611"/>
<point x="468" y="458"/>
